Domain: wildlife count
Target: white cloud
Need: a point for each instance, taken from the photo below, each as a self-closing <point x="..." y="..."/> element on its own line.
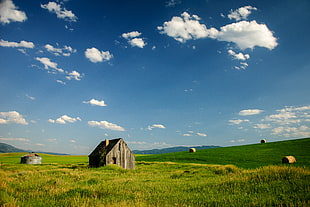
<point x="187" y="135"/>
<point x="30" y="97"/>
<point x="12" y="117"/>
<point x="202" y="134"/>
<point x="94" y="55"/>
<point x="248" y="35"/>
<point x="237" y="121"/>
<point x="186" y="27"/>
<point x="239" y="140"/>
<point x="248" y="112"/>
<point x="133" y="39"/>
<point x="95" y="102"/>
<point x="74" y="75"/>
<point x="9" y="12"/>
<point x="66" y="51"/>
<point x="244" y="34"/>
<point x="105" y="125"/>
<point x="160" y="126"/>
<point x="64" y="119"/>
<point x="24" y="44"/>
<point x="14" y="139"/>
<point x="173" y="3"/>
<point x="262" y="126"/>
<point x="48" y="63"/>
<point x="52" y="67"/>
<point x="131" y="35"/>
<point x="241" y="13"/>
<point x="238" y="56"/>
<point x="62" y="13"/>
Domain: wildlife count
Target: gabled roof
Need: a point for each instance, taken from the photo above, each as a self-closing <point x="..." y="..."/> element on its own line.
<point x="102" y="145"/>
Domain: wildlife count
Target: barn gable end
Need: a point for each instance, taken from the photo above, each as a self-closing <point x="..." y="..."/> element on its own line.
<point x="113" y="151"/>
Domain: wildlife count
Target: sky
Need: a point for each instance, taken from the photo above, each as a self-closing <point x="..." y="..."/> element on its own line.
<point x="158" y="73"/>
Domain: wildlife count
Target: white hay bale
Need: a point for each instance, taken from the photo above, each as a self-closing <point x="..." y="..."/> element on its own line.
<point x="192" y="150"/>
<point x="288" y="159"/>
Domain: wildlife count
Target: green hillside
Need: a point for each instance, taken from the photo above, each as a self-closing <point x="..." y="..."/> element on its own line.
<point x="246" y="156"/>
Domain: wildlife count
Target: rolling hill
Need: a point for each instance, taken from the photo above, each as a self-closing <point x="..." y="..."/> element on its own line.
<point x="245" y="156"/>
<point x="171" y="149"/>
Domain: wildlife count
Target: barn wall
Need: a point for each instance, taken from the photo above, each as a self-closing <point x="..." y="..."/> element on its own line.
<point x="121" y="155"/>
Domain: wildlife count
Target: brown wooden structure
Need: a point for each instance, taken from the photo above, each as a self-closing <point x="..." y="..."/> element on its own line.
<point x="113" y="151"/>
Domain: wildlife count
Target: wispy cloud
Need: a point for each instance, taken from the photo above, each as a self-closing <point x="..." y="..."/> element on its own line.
<point x="159" y="126"/>
<point x="52" y="67"/>
<point x="237" y="121"/>
<point x="14" y="139"/>
<point x="10" y="13"/>
<point x="248" y="112"/>
<point x="65" y="51"/>
<point x="62" y="13"/>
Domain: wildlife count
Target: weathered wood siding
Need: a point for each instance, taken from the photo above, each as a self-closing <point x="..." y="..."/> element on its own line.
<point x="121" y="155"/>
<point x="114" y="151"/>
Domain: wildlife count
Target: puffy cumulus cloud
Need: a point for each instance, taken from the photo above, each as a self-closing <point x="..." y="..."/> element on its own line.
<point x="21" y="44"/>
<point x="105" y="125"/>
<point x="247" y="35"/>
<point x="133" y="40"/>
<point x="65" y="51"/>
<point x="160" y="126"/>
<point x="244" y="34"/>
<point x="238" y="56"/>
<point x="241" y="13"/>
<point x="248" y="112"/>
<point x="237" y="121"/>
<point x="64" y="119"/>
<point x="95" y="102"/>
<point x="95" y="55"/>
<point x="186" y="27"/>
<point x="62" y="13"/>
<point x="10" y="13"/>
<point x="12" y="117"/>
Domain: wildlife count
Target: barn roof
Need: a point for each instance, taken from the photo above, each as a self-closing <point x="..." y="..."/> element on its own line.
<point x="102" y="144"/>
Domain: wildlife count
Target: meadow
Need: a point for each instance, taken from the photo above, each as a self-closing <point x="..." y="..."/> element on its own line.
<point x="68" y="181"/>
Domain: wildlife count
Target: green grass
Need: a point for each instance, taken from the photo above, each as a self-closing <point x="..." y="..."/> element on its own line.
<point x="247" y="156"/>
<point x="68" y="181"/>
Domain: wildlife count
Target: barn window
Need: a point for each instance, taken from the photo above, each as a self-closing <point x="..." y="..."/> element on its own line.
<point x="114" y="160"/>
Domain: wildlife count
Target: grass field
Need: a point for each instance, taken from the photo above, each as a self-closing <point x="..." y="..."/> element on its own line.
<point x="67" y="180"/>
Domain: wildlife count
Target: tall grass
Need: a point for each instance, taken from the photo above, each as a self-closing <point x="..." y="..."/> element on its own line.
<point x="153" y="184"/>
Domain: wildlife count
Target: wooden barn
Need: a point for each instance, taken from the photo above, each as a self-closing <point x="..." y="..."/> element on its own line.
<point x="113" y="151"/>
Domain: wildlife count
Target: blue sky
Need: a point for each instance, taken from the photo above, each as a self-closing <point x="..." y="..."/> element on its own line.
<point x="156" y="73"/>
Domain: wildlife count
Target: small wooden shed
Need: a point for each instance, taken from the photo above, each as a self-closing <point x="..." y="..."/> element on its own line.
<point x="113" y="151"/>
<point x="31" y="158"/>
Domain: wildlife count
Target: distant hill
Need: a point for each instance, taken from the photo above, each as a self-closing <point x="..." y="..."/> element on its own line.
<point x="6" y="148"/>
<point x="245" y="156"/>
<point x="171" y="149"/>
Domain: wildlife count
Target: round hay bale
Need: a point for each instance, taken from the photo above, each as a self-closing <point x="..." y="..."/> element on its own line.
<point x="192" y="150"/>
<point x="288" y="159"/>
<point x="263" y="141"/>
